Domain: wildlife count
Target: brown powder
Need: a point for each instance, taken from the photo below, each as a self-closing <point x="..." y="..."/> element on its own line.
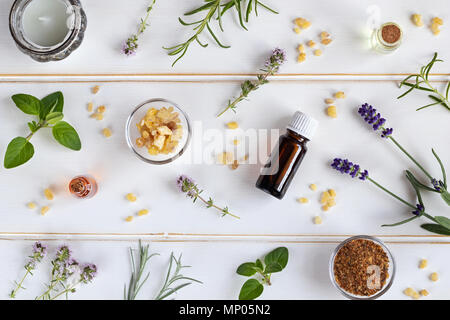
<point x="357" y="266"/>
<point x="391" y="33"/>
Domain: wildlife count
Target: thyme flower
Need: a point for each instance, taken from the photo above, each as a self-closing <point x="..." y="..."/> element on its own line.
<point x="186" y="185"/>
<point x="131" y="45"/>
<point x="39" y="252"/>
<point x="88" y="273"/>
<point x="271" y="66"/>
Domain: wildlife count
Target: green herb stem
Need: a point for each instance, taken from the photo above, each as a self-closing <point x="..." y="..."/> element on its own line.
<point x="19" y="285"/>
<point x="210" y="204"/>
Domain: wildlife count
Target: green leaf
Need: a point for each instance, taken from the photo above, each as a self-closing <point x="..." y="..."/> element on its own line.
<point x="19" y="151"/>
<point x="54" y="102"/>
<point x="446" y="196"/>
<point x="259" y="265"/>
<point x="436" y="228"/>
<point x="32" y="125"/>
<point x="444" y="175"/>
<point x="27" y="103"/>
<point x="251" y="290"/>
<point x="443" y="221"/>
<point x="246" y="269"/>
<point x="276" y="260"/>
<point x="54" y="117"/>
<point x="66" y="135"/>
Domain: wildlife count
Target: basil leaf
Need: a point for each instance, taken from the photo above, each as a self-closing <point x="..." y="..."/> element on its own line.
<point x="443" y="221"/>
<point x="28" y="104"/>
<point x="19" y="151"/>
<point x="251" y="289"/>
<point x="54" y="117"/>
<point x="436" y="228"/>
<point x="66" y="135"/>
<point x="246" y="269"/>
<point x="33" y="126"/>
<point x="54" y="102"/>
<point x="259" y="265"/>
<point x="276" y="260"/>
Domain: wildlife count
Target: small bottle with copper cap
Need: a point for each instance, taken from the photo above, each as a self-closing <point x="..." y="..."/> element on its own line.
<point x="387" y="38"/>
<point x="83" y="187"/>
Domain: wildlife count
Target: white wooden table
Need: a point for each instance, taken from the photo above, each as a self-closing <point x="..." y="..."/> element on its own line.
<point x="202" y="83"/>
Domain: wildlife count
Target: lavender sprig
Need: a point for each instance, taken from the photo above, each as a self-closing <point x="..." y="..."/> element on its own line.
<point x="271" y="67"/>
<point x="186" y="185"/>
<point x="374" y="118"/>
<point x="38" y="253"/>
<point x="131" y="45"/>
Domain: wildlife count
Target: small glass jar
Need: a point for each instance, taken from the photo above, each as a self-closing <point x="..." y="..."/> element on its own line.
<point x="76" y="26"/>
<point x="83" y="187"/>
<point x="387" y="38"/>
<point x="391" y="269"/>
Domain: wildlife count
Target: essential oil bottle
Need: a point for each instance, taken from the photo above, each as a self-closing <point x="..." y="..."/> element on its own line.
<point x="278" y="172"/>
<point x="83" y="187"/>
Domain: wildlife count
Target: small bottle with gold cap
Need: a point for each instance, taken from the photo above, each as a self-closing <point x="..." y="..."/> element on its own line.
<point x="83" y="187"/>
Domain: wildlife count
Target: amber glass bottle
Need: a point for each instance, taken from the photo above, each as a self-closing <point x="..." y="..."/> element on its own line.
<point x="277" y="174"/>
<point x="83" y="187"/>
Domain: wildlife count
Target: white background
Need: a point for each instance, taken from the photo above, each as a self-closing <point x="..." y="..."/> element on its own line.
<point x="201" y="84"/>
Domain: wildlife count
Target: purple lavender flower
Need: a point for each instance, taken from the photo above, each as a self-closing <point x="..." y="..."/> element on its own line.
<point x="88" y="273"/>
<point x="372" y="117"/>
<point x="347" y="167"/>
<point x="419" y="210"/>
<point x="276" y="59"/>
<point x="438" y="185"/>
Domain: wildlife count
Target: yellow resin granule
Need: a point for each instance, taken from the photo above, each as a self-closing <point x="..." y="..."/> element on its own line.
<point x="424" y="292"/>
<point x="302" y="23"/>
<point x="325" y="207"/>
<point x="90" y="107"/>
<point x="310" y="43"/>
<point x="48" y="194"/>
<point x="107" y="132"/>
<point x="317" y="220"/>
<point x="313" y="187"/>
<point x="95" y="89"/>
<point x="225" y="158"/>
<point x="339" y="95"/>
<point x="325" y="41"/>
<point x="301" y="48"/>
<point x="417" y="19"/>
<point x="97" y="116"/>
<point x="101" y="109"/>
<point x="434" y="276"/>
<point x="31" y="205"/>
<point x="303" y="200"/>
<point x="317" y="52"/>
<point x="236" y="142"/>
<point x="44" y="210"/>
<point x="329" y="101"/>
<point x="129" y="219"/>
<point x="332" y="111"/>
<point x="131" y="197"/>
<point x="142" y="212"/>
<point x="301" y="57"/>
<point x="437" y="20"/>
<point x="423" y="264"/>
<point x="332" y="192"/>
<point x="297" y="30"/>
<point x="232" y="125"/>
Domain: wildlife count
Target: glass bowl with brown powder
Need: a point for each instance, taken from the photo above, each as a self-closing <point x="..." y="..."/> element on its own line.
<point x="362" y="267"/>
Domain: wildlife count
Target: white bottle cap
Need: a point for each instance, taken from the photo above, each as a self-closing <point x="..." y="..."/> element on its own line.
<point x="303" y="124"/>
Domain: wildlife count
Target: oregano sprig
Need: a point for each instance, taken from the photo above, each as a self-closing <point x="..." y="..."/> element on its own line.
<point x="49" y="113"/>
<point x="274" y="261"/>
<point x="214" y="9"/>
<point x="421" y="82"/>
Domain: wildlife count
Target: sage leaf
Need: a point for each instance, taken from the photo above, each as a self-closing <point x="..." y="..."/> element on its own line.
<point x="54" y="117"/>
<point x="54" y="102"/>
<point x="276" y="260"/>
<point x="246" y="269"/>
<point x="27" y="103"/>
<point x="251" y="290"/>
<point x="436" y="228"/>
<point x="66" y="135"/>
<point x="19" y="151"/>
<point x="443" y="221"/>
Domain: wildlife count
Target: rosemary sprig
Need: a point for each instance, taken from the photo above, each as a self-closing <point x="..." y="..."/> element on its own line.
<point x="213" y="8"/>
<point x="271" y="67"/>
<point x="131" y="45"/>
<point x="422" y="82"/>
<point x="174" y="277"/>
<point x="135" y="283"/>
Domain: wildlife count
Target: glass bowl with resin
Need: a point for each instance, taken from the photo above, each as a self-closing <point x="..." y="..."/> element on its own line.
<point x="391" y="269"/>
<point x="132" y="132"/>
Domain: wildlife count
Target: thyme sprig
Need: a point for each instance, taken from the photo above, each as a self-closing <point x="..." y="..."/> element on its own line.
<point x="271" y="66"/>
<point x="422" y="82"/>
<point x="136" y="283"/>
<point x="187" y="185"/>
<point x="131" y="44"/>
<point x="214" y="9"/>
<point x="174" y="277"/>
